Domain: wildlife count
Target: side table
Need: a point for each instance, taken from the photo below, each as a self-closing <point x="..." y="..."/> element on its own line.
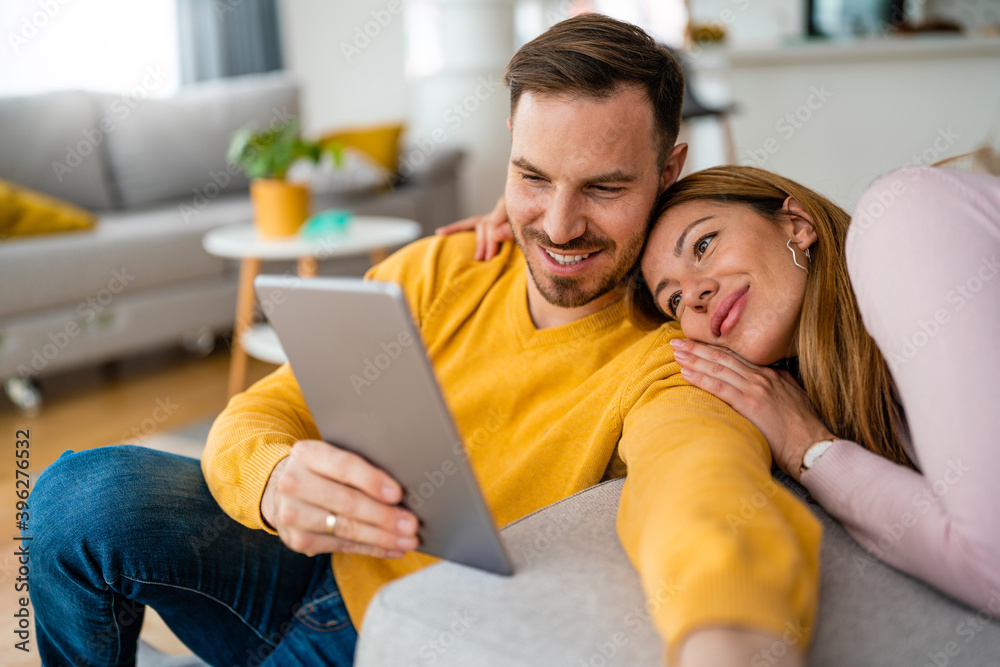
<point x="365" y="234"/>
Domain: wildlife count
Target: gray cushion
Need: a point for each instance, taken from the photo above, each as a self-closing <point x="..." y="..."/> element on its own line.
<point x="576" y="600"/>
<point x="155" y="247"/>
<point x="53" y="143"/>
<point x="176" y="147"/>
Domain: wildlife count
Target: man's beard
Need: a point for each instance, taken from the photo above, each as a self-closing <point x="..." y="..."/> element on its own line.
<point x="570" y="292"/>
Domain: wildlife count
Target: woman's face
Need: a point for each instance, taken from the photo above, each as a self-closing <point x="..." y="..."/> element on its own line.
<point x="725" y="273"/>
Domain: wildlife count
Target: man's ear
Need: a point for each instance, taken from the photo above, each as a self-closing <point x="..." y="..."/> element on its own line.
<point x="803" y="230"/>
<point x="673" y="166"/>
<point x="508" y="125"/>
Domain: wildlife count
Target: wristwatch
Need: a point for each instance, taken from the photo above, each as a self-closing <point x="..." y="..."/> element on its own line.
<point x="812" y="454"/>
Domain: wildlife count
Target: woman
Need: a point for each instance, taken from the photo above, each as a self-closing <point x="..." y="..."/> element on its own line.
<point x="896" y="431"/>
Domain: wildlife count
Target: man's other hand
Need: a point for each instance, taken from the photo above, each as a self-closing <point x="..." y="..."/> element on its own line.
<point x="491" y="229"/>
<point x="318" y="479"/>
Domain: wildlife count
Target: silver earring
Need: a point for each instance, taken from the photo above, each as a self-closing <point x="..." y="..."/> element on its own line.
<point x="789" y="246"/>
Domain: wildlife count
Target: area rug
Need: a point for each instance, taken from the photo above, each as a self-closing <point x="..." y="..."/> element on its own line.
<point x="188" y="441"/>
<point x="147" y="656"/>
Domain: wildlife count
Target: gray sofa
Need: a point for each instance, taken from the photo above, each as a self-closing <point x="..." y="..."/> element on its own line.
<point x="154" y="170"/>
<point x="575" y="600"/>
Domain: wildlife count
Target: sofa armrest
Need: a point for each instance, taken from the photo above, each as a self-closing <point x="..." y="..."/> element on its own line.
<point x="575" y="599"/>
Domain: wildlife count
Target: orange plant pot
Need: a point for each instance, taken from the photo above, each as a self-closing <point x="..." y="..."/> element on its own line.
<point x="279" y="208"/>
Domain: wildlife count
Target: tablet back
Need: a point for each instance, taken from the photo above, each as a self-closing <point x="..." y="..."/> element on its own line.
<point x="361" y="366"/>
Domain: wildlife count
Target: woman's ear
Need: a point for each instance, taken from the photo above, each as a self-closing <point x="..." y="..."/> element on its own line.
<point x="803" y="231"/>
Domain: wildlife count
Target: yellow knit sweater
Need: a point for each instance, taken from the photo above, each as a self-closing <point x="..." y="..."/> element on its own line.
<point x="547" y="413"/>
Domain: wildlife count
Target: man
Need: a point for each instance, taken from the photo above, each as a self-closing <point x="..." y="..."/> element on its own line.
<point x="534" y="343"/>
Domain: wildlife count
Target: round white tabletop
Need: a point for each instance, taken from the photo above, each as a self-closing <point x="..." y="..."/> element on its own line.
<point x="363" y="234"/>
<point x="261" y="342"/>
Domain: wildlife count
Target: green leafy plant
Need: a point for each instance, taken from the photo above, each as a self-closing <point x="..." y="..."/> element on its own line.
<point x="270" y="152"/>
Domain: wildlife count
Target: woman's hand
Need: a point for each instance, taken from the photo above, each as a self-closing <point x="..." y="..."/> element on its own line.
<point x="491" y="229"/>
<point x="771" y="400"/>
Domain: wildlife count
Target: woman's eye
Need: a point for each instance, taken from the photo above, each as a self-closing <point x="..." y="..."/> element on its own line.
<point x="673" y="303"/>
<point x="702" y="245"/>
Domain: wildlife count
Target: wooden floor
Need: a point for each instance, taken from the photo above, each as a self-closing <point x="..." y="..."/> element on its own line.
<point x="99" y="407"/>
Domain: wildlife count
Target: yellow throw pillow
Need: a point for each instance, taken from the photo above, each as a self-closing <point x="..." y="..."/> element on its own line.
<point x="25" y="212"/>
<point x="379" y="142"/>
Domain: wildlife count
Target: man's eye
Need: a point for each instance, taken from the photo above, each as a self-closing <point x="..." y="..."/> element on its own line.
<point x="608" y="190"/>
<point x="531" y="178"/>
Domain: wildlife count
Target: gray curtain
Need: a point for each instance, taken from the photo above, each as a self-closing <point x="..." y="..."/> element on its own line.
<point x="220" y="38"/>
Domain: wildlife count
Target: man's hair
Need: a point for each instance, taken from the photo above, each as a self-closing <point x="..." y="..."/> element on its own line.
<point x="594" y="56"/>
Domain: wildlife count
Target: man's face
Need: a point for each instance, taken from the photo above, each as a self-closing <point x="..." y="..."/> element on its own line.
<point x="581" y="184"/>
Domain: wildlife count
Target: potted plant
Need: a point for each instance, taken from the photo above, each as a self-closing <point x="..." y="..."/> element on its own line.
<point x="265" y="155"/>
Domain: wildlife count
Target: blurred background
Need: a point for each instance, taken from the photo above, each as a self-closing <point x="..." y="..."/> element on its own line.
<point x="830" y="92"/>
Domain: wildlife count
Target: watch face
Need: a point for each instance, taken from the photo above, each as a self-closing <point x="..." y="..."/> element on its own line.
<point x="814" y="452"/>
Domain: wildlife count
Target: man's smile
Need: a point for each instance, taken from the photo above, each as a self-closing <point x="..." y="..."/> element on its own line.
<point x="567" y="264"/>
<point x="567" y="260"/>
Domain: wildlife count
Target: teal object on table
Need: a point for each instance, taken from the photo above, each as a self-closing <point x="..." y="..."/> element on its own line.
<point x="324" y="223"/>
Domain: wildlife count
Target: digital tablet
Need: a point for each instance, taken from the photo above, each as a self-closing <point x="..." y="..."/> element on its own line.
<point x="360" y="363"/>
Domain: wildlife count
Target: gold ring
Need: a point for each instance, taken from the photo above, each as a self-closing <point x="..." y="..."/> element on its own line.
<point x="331" y="521"/>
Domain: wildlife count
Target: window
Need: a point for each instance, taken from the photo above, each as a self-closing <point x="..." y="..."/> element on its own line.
<point x="117" y="46"/>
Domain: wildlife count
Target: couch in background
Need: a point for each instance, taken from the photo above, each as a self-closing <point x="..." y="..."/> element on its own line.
<point x="154" y="170"/>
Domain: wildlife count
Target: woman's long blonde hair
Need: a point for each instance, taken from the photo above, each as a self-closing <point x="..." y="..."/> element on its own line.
<point x="841" y="369"/>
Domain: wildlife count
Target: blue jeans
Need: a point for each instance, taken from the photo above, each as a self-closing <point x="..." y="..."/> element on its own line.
<point x="119" y="528"/>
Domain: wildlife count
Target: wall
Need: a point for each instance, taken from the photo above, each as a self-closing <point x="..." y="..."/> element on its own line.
<point x="106" y="46"/>
<point x="835" y="117"/>
<point x="351" y="60"/>
<point x="969" y="13"/>
<point x="349" y="76"/>
<point x="752" y="21"/>
<point x="460" y="100"/>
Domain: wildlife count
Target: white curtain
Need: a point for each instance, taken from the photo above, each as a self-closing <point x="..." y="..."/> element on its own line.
<point x="219" y="39"/>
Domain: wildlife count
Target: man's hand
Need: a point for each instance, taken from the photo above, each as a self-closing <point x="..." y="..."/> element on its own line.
<point x="491" y="229"/>
<point x="318" y="479"/>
